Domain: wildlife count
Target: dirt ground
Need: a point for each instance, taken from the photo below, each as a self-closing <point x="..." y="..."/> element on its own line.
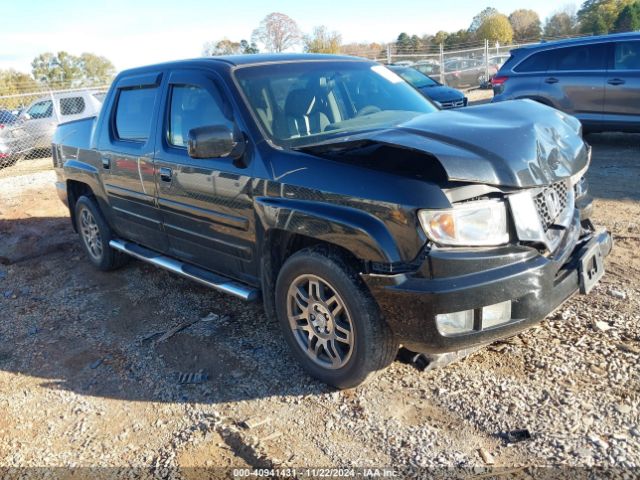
<point x="86" y="379"/>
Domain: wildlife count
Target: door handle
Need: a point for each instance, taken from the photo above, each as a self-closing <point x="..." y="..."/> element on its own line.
<point x="106" y="163"/>
<point x="615" y="81"/>
<point x="165" y="174"/>
<point x="551" y="80"/>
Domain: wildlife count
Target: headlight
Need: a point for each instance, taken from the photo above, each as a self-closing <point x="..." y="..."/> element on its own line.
<point x="437" y="103"/>
<point x="481" y="223"/>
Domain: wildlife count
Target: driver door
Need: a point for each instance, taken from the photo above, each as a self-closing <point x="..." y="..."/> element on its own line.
<point x="205" y="204"/>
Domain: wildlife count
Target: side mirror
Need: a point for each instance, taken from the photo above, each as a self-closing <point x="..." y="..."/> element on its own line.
<point x="215" y="141"/>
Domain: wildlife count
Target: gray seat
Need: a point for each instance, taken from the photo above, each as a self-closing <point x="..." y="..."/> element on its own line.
<point x="302" y="115"/>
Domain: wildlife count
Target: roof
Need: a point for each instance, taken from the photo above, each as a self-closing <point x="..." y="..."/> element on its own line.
<point x="583" y="40"/>
<point x="251" y="59"/>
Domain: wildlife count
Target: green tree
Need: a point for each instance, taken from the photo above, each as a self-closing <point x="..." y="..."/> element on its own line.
<point x="560" y="24"/>
<point x="15" y="83"/>
<point x="247" y="48"/>
<point x="496" y="28"/>
<point x="322" y="40"/>
<point x="629" y="19"/>
<point x="459" y="39"/>
<point x="481" y="17"/>
<point x="403" y="43"/>
<point x="599" y="16"/>
<point x="277" y="32"/>
<point x="416" y="44"/>
<point x="96" y="70"/>
<point x="228" y="47"/>
<point x="440" y="37"/>
<point x="526" y="24"/>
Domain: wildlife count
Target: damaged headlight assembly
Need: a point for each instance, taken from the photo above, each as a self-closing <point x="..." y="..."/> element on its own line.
<point x="471" y="224"/>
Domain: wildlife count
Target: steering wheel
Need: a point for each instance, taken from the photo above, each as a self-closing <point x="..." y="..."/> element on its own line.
<point x="368" y="110"/>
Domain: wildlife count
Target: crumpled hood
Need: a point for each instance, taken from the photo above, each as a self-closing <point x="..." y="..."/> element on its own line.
<point x="513" y="144"/>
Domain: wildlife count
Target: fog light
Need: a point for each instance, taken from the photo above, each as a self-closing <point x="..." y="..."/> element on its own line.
<point x="455" y="323"/>
<point x="496" y="314"/>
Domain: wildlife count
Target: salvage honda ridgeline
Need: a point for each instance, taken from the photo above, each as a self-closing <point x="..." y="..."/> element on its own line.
<point x="362" y="215"/>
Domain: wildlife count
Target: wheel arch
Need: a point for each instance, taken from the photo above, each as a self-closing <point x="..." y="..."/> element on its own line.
<point x="287" y="226"/>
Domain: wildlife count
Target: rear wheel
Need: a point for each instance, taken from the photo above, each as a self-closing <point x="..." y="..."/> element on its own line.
<point x="329" y="319"/>
<point x="95" y="235"/>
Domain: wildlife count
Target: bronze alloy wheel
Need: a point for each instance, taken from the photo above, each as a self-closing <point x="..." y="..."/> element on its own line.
<point x="91" y="234"/>
<point x="320" y="321"/>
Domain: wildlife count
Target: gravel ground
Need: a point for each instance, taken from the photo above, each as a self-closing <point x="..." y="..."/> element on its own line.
<point x="88" y="380"/>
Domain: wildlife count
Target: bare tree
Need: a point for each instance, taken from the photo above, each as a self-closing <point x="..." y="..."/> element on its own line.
<point x="277" y="32"/>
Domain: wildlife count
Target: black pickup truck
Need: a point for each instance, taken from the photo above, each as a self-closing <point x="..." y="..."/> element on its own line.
<point x="359" y="213"/>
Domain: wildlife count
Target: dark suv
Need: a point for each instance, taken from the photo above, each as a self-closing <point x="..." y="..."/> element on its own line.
<point x="596" y="79"/>
<point x="327" y="186"/>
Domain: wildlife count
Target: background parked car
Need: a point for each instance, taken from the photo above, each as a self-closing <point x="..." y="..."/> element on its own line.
<point x="13" y="139"/>
<point x="44" y="114"/>
<point x="467" y="72"/>
<point x="596" y="79"/>
<point x="444" y="97"/>
<point x="427" y="67"/>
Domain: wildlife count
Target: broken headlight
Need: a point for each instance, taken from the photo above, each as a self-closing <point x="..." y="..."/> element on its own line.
<point x="480" y="223"/>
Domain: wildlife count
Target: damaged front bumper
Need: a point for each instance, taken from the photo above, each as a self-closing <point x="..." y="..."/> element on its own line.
<point x="454" y="281"/>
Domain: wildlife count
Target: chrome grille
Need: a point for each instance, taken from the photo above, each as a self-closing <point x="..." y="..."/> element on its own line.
<point x="551" y="202"/>
<point x="452" y="104"/>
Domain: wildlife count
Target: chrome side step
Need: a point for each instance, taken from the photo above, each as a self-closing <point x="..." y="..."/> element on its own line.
<point x="192" y="272"/>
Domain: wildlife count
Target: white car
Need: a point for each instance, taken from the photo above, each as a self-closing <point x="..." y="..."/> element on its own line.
<point x="46" y="113"/>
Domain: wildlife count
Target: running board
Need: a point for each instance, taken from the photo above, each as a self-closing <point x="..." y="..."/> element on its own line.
<point x="192" y="272"/>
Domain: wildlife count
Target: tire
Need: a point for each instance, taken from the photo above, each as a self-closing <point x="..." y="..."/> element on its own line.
<point x="95" y="235"/>
<point x="337" y="318"/>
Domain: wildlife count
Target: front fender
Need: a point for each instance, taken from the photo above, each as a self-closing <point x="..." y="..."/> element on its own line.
<point x="364" y="235"/>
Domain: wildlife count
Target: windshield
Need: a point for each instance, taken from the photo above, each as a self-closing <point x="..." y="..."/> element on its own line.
<point x="415" y="78"/>
<point x="302" y="103"/>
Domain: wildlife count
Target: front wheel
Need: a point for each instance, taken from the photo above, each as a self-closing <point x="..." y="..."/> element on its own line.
<point x="329" y="319"/>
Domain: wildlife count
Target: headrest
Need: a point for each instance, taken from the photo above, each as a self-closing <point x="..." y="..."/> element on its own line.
<point x="299" y="103"/>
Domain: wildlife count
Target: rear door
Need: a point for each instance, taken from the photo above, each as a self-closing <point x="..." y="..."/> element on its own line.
<point x="205" y="203"/>
<point x="575" y="80"/>
<point x="622" y="101"/>
<point x="126" y="160"/>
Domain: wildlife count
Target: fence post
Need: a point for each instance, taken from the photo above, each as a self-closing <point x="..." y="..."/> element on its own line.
<point x="486" y="62"/>
<point x="442" y="64"/>
<point x="388" y="53"/>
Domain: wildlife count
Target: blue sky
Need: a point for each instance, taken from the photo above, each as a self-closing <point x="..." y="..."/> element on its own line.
<point x="138" y="32"/>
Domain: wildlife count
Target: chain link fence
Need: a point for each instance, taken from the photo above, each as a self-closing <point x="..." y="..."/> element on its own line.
<point x="28" y="121"/>
<point x="464" y="68"/>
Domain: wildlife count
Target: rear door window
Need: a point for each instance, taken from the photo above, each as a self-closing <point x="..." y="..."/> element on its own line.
<point x="72" y="105"/>
<point x="627" y="56"/>
<point x="580" y="58"/>
<point x="134" y="113"/>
